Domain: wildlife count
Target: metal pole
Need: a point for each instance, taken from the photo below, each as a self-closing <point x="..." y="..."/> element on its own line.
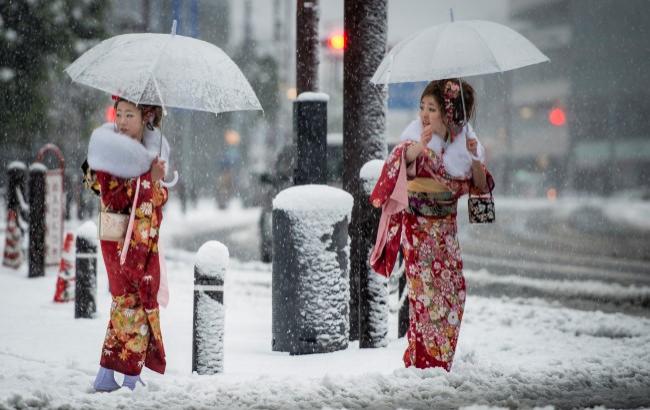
<point x="37" y="220"/>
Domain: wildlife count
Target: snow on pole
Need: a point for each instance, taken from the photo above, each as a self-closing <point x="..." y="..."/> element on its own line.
<point x="373" y="288"/>
<point x="37" y="173"/>
<point x="310" y="122"/>
<point x="207" y="343"/>
<point x="310" y="288"/>
<point x="85" y="301"/>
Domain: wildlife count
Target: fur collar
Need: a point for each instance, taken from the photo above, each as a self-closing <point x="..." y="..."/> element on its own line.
<point x="457" y="159"/>
<point x="122" y="156"/>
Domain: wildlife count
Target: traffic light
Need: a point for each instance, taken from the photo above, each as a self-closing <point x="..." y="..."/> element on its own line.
<point x="336" y="41"/>
<point x="557" y="117"/>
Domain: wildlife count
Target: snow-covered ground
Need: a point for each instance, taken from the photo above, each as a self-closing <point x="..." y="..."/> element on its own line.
<point x="513" y="352"/>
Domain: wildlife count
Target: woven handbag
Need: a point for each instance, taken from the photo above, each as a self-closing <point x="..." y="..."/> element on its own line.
<point x="481" y="208"/>
<point x="112" y="225"/>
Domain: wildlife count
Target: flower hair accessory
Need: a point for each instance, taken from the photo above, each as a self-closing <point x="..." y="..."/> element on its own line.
<point x="451" y="96"/>
<point x="115" y="97"/>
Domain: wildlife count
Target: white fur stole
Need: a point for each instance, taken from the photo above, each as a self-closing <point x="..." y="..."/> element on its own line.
<point x="122" y="156"/>
<point x="457" y="160"/>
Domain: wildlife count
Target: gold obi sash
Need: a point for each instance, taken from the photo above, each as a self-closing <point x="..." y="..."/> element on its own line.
<point x="428" y="197"/>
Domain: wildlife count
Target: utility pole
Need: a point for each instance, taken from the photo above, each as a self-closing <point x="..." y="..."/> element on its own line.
<point x="364" y="122"/>
<point x="307" y="17"/>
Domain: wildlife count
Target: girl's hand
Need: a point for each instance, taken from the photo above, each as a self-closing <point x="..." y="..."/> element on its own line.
<point x="427" y="134"/>
<point x="376" y="203"/>
<point x="472" y="146"/>
<point x="157" y="169"/>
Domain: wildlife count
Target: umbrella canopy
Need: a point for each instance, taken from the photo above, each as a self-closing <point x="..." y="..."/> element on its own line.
<point x="457" y="49"/>
<point x="168" y="70"/>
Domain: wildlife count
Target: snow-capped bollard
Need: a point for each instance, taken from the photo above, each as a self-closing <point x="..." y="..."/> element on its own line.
<point x="85" y="303"/>
<point x="310" y="288"/>
<point x="209" y="273"/>
<point x="16" y="207"/>
<point x="310" y="129"/>
<point x="373" y="288"/>
<point x="36" y="220"/>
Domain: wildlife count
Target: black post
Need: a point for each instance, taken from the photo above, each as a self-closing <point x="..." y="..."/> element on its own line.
<point x="373" y="288"/>
<point x="85" y="304"/>
<point x="17" y="175"/>
<point x="310" y="128"/>
<point x="307" y="17"/>
<point x="209" y="319"/>
<point x="364" y="120"/>
<point x="310" y="293"/>
<point x="403" y="314"/>
<point x="37" y="220"/>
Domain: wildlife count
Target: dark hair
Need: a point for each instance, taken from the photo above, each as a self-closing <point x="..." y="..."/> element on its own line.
<point x="145" y="110"/>
<point x="454" y="112"/>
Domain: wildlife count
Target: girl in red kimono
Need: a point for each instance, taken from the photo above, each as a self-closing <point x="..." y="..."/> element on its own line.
<point x="124" y="155"/>
<point x="438" y="161"/>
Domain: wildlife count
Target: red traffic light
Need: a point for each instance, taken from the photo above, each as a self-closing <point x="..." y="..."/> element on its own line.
<point x="336" y="41"/>
<point x="557" y="117"/>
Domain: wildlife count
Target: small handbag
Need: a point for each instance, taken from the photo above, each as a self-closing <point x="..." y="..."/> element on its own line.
<point x="113" y="226"/>
<point x="481" y="208"/>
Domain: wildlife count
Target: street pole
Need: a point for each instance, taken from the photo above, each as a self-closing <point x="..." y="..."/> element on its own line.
<point x="307" y="17"/>
<point x="364" y="122"/>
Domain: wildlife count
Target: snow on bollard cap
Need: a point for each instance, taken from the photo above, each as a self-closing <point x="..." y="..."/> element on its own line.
<point x="38" y="166"/>
<point x="314" y="198"/>
<point x="370" y="172"/>
<point x="16" y="165"/>
<point x="212" y="259"/>
<point x="88" y="231"/>
<point x="312" y="96"/>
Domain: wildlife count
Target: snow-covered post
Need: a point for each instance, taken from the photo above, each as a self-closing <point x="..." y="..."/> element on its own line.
<point x="85" y="293"/>
<point x="16" y="208"/>
<point x="207" y="342"/>
<point x="310" y="121"/>
<point x="364" y="120"/>
<point x="310" y="288"/>
<point x="37" y="220"/>
<point x="17" y="175"/>
<point x="373" y="288"/>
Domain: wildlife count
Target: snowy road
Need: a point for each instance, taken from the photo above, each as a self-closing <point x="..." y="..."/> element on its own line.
<point x="516" y="349"/>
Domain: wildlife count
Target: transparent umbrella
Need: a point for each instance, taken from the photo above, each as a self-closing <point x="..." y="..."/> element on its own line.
<point x="168" y="70"/>
<point x="457" y="49"/>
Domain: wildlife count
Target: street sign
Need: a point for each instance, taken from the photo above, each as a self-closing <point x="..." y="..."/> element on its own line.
<point x="54" y="206"/>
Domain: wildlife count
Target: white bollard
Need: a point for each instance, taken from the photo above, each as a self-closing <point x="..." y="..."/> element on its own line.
<point x="208" y="335"/>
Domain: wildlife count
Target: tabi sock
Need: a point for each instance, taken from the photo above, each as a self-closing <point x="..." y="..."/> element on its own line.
<point x="105" y="380"/>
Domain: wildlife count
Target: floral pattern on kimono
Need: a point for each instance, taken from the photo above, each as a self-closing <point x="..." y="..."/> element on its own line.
<point x="133" y="338"/>
<point x="432" y="257"/>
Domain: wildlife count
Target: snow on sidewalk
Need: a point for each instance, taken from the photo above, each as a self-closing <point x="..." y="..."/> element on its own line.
<point x="511" y="353"/>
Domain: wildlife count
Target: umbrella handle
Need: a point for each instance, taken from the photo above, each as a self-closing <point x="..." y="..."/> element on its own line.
<point x="170" y="183"/>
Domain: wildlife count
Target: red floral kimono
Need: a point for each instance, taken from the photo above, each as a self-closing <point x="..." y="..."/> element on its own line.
<point x="133" y="338"/>
<point x="423" y="225"/>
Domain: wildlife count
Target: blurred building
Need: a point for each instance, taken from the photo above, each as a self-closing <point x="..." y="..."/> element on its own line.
<point x="579" y="121"/>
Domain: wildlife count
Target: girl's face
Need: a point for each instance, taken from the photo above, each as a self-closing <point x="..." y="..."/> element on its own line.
<point x="430" y="114"/>
<point x="129" y="120"/>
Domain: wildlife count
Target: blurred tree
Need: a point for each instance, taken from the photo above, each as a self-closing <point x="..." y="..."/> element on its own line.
<point x="37" y="39"/>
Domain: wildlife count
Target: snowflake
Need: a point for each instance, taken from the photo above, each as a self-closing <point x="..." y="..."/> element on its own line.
<point x="107" y="352"/>
<point x="146" y="184"/>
